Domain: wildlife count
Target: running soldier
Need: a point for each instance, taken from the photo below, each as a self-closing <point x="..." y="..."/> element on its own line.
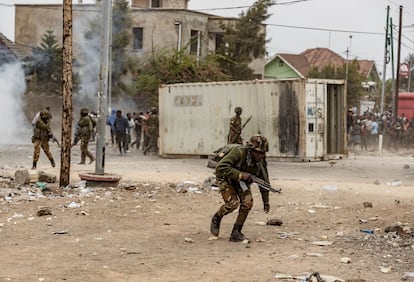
<point x="233" y="173"/>
<point x="41" y="137"/>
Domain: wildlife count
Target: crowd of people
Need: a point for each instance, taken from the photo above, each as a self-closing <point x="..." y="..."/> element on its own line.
<point x="364" y="130"/>
<point x="143" y="127"/>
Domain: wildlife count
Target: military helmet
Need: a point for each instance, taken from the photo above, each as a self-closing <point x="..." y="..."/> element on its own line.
<point x="44" y="114"/>
<point x="237" y="110"/>
<point x="154" y="110"/>
<point x="84" y="111"/>
<point x="259" y="143"/>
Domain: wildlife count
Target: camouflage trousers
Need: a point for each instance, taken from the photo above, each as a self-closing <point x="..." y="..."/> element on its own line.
<point x="84" y="143"/>
<point x="45" y="146"/>
<point x="234" y="197"/>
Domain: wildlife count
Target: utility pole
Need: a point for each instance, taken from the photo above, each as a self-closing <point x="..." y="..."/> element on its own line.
<point x="103" y="88"/>
<point x="384" y="69"/>
<point x="397" y="81"/>
<point x="391" y="38"/>
<point x="67" y="95"/>
<point x="348" y="50"/>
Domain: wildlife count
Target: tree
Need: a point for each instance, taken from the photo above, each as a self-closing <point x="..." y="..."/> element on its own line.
<point x="121" y="27"/>
<point x="165" y="67"/>
<point x="48" y="62"/>
<point x="243" y="41"/>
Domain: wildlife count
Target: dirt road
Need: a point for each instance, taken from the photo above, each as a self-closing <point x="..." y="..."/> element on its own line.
<point x="148" y="229"/>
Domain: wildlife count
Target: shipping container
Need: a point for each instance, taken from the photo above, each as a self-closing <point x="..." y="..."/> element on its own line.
<point x="406" y="105"/>
<point x="303" y="119"/>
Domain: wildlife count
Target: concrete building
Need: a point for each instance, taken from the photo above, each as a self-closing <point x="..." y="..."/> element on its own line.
<point x="156" y="24"/>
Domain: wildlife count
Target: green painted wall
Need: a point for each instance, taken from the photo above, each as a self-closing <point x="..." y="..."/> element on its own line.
<point x="278" y="69"/>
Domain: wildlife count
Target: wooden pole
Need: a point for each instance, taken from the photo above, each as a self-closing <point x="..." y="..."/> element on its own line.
<point x="397" y="81"/>
<point x="67" y="95"/>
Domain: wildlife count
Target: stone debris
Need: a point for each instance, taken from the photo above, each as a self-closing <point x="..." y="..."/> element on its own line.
<point x="213" y="238"/>
<point x="274" y="222"/>
<point x="384" y="269"/>
<point x="314" y="255"/>
<point x="367" y="205"/>
<point x="322" y="243"/>
<point x="43" y="211"/>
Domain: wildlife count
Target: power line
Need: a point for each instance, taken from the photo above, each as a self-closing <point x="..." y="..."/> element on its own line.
<point x="326" y="29"/>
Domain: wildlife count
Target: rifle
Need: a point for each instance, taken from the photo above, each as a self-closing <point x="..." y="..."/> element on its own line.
<point x="245" y="123"/>
<point x="260" y="182"/>
<point x="53" y="137"/>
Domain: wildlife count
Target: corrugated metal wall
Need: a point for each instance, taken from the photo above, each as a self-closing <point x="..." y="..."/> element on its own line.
<point x="194" y="117"/>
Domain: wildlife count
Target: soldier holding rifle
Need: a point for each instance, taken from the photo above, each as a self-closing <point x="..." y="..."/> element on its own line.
<point x="236" y="127"/>
<point x="235" y="173"/>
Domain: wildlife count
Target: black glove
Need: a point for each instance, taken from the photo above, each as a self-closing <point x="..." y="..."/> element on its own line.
<point x="266" y="207"/>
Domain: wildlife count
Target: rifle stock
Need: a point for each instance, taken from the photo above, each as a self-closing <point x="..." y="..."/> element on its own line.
<point x="260" y="182"/>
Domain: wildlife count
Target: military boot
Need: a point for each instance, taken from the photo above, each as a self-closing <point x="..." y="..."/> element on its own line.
<point x="215" y="224"/>
<point x="91" y="157"/>
<point x="52" y="162"/>
<point x="34" y="165"/>
<point x="83" y="157"/>
<point x="236" y="235"/>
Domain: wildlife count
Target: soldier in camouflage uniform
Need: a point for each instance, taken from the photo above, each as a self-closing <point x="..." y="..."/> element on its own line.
<point x="41" y="136"/>
<point x="237" y="165"/>
<point x="84" y="129"/>
<point x="152" y="131"/>
<point x="234" y="136"/>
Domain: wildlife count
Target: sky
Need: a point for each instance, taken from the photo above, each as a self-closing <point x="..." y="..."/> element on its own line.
<point x="296" y="25"/>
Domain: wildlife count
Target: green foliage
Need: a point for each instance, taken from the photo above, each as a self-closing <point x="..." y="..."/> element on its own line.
<point x="48" y="62"/>
<point x="244" y="41"/>
<point x="121" y="26"/>
<point x="355" y="79"/>
<point x="167" y="67"/>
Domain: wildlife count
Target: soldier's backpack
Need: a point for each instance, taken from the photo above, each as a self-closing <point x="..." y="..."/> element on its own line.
<point x="222" y="151"/>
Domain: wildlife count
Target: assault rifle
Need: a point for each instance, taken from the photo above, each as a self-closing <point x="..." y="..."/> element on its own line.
<point x="244" y="125"/>
<point x="260" y="182"/>
<point x="53" y="137"/>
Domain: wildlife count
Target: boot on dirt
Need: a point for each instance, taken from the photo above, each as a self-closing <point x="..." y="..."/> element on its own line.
<point x="34" y="165"/>
<point x="52" y="162"/>
<point x="83" y="157"/>
<point x="215" y="224"/>
<point x="236" y="235"/>
<point x="91" y="157"/>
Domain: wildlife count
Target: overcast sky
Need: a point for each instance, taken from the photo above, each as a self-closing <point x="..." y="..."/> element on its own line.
<point x="293" y="27"/>
<point x="296" y="25"/>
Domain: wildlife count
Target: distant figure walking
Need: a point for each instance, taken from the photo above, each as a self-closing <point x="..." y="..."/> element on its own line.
<point x="84" y="129"/>
<point x="121" y="126"/>
<point x="234" y="136"/>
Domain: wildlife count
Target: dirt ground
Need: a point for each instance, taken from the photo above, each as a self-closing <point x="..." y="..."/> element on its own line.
<point x="155" y="225"/>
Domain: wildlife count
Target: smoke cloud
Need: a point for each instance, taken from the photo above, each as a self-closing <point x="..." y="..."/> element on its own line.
<point x="14" y="127"/>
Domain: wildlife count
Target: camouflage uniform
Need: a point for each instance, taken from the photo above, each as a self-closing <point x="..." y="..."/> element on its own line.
<point x="238" y="161"/>
<point x="40" y="138"/>
<point x="234" y="136"/>
<point x="152" y="131"/>
<point x="84" y="130"/>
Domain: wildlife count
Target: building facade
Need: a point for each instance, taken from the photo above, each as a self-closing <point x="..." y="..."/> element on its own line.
<point x="156" y="24"/>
